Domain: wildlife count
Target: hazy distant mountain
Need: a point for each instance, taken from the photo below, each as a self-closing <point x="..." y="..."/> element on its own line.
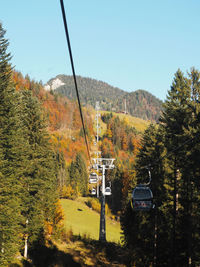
<point x="139" y="103"/>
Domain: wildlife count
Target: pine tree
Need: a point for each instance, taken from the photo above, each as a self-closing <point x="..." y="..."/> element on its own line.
<point x="39" y="181"/>
<point x="191" y="173"/>
<point x="180" y="123"/>
<point x="12" y="159"/>
<point x="174" y="149"/>
<point x="144" y="231"/>
<point x="176" y="118"/>
<point x="78" y="175"/>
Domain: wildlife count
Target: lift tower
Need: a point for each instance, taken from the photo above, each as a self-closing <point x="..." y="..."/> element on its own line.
<point x="98" y="153"/>
<point x="103" y="164"/>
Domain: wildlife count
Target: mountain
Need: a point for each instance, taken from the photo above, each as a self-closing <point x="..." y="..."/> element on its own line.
<point x="139" y="103"/>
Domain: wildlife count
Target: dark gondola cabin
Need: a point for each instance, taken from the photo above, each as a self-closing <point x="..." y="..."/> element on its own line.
<point x="142" y="198"/>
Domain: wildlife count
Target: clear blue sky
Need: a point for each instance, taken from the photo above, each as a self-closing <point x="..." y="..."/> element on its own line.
<point x="127" y="43"/>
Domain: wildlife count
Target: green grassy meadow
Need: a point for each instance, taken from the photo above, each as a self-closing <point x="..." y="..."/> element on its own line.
<point x="85" y="222"/>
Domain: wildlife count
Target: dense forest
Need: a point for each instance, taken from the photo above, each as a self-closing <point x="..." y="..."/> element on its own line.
<point x="43" y="158"/>
<point x="168" y="235"/>
<point x="28" y="168"/>
<point x="139" y="103"/>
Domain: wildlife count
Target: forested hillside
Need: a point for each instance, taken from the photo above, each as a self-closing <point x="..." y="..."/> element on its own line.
<point x="43" y="159"/>
<point x="61" y="121"/>
<point x="139" y="103"/>
<point x="65" y="162"/>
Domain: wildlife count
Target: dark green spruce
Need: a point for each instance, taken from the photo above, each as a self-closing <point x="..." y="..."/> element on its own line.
<point x="172" y="149"/>
<point x="28" y="167"/>
<point x="13" y="148"/>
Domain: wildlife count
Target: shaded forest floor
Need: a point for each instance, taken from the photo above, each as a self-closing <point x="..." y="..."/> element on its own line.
<point x="79" y="252"/>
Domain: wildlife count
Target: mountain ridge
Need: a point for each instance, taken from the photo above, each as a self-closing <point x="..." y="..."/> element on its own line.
<point x="139" y="103"/>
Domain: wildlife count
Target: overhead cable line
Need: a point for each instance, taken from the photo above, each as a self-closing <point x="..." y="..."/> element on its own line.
<point x="74" y="74"/>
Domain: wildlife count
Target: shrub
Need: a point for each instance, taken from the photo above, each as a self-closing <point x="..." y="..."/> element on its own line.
<point x="107" y="210"/>
<point x="94" y="204"/>
<point x="67" y="236"/>
<point x="68" y="192"/>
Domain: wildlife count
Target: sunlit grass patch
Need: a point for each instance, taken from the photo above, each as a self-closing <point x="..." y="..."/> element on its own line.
<point x="85" y="222"/>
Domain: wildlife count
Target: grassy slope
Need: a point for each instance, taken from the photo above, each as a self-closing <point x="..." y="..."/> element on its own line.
<point x="138" y="123"/>
<point x="84" y="221"/>
<point x="84" y="250"/>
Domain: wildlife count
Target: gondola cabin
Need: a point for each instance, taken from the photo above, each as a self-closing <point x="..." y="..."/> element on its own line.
<point x="107" y="191"/>
<point x="93" y="178"/>
<point x="93" y="192"/>
<point x="142" y="198"/>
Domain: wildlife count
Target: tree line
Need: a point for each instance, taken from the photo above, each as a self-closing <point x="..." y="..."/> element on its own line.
<point x="169" y="235"/>
<point x="28" y="167"/>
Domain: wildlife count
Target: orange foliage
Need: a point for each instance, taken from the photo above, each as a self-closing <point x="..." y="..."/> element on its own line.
<point x="76" y="119"/>
<point x="74" y="148"/>
<point x="136" y="145"/>
<point x="59" y="215"/>
<point x="20" y="82"/>
<point x="68" y="147"/>
<point x="127" y="182"/>
<point x="123" y="156"/>
<point x="48" y="226"/>
<point x="107" y="147"/>
<point x="124" y="142"/>
<point x="58" y="111"/>
<point x="109" y="133"/>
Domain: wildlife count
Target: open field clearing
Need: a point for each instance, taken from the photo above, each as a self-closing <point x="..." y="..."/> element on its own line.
<point x="85" y="222"/>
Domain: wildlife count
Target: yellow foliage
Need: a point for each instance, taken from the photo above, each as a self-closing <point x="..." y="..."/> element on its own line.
<point x="58" y="222"/>
<point x="107" y="210"/>
<point x="126" y="121"/>
<point x="48" y="229"/>
<point x="109" y="133"/>
<point x="94" y="204"/>
<point x="68" y="192"/>
<point x="59" y="215"/>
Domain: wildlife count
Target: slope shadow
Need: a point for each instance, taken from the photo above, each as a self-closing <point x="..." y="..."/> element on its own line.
<point x="43" y="256"/>
<point x="105" y="253"/>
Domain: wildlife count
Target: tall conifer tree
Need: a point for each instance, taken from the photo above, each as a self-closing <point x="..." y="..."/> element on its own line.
<point x="12" y="159"/>
<point x="40" y="176"/>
